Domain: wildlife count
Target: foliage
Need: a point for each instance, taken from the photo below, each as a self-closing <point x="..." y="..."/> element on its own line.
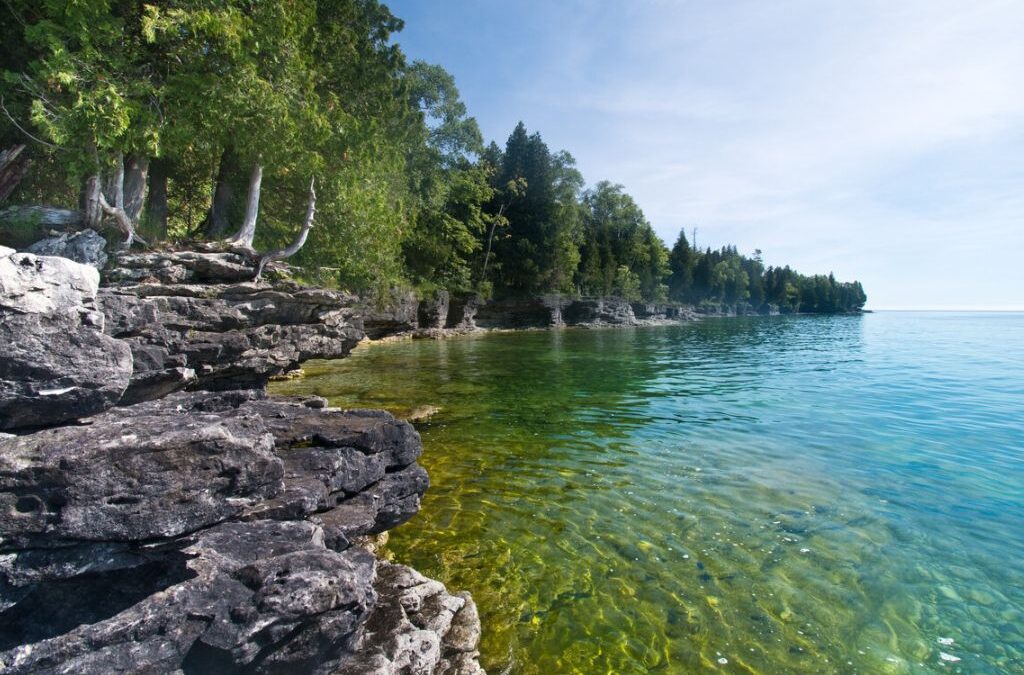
<point x="724" y="276"/>
<point x="408" y="192"/>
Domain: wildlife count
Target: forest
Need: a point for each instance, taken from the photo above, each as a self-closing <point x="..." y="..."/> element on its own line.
<point x="263" y="121"/>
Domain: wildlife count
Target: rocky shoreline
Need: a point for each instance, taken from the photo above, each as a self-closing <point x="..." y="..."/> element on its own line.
<point x="441" y="315"/>
<point x="162" y="514"/>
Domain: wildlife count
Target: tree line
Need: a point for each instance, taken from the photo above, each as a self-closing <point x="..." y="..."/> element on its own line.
<point x="213" y="119"/>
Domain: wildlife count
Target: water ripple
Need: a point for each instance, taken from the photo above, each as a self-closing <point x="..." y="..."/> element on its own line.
<point x="831" y="494"/>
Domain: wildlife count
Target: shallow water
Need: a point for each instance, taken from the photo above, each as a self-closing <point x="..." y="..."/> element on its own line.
<point x="765" y="495"/>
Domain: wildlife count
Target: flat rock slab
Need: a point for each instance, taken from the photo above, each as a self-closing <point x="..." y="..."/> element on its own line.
<point x="190" y="533"/>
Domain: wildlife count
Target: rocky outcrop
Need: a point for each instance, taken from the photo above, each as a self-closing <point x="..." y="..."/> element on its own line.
<point x="397" y="312"/>
<point x="433" y="310"/>
<point x="209" y="531"/>
<point x="661" y="312"/>
<point x="599" y="312"/>
<point x="529" y="312"/>
<point x="86" y="247"/>
<point x="183" y="267"/>
<point x="462" y="311"/>
<point x="222" y="334"/>
<point x="555" y="311"/>
<point x="56" y="364"/>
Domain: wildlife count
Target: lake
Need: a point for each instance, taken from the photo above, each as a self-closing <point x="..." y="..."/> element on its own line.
<point x="756" y="495"/>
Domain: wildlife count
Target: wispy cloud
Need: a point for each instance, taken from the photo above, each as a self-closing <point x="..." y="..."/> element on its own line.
<point x="880" y="140"/>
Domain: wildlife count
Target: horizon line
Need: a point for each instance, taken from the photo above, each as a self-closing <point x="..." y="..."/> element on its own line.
<point x="1009" y="309"/>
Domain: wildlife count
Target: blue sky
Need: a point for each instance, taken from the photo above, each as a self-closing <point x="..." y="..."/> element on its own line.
<point x="879" y="140"/>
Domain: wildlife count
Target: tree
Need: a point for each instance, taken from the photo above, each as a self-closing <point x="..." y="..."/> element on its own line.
<point x="449" y="191"/>
<point x="681" y="262"/>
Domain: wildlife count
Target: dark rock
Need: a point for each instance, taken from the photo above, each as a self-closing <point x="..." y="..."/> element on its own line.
<point x="207" y="531"/>
<point x="599" y="312"/>
<point x="516" y="313"/>
<point x="134" y="475"/>
<point x="231" y="336"/>
<point x="392" y="314"/>
<point x="56" y="364"/>
<point x="86" y="247"/>
<point x="204" y="532"/>
<point x="258" y="597"/>
<point x="153" y="384"/>
<point x="433" y="310"/>
<point x="462" y="311"/>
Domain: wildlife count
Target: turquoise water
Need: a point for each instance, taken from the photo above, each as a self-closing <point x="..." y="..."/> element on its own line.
<point x="764" y="495"/>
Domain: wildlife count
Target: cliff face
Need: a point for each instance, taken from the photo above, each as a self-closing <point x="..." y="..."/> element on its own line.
<point x="440" y="313"/>
<point x="205" y="528"/>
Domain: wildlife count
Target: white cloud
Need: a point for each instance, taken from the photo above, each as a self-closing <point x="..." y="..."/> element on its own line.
<point x="882" y="140"/>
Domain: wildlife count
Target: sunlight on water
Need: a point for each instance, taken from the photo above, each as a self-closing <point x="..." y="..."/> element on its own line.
<point x="804" y="495"/>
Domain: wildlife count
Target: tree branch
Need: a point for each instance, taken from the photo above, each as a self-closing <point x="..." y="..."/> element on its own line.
<point x="22" y="130"/>
<point x="300" y="240"/>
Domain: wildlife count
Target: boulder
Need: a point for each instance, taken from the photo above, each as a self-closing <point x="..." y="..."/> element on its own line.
<point x="56" y="364"/>
<point x="86" y="247"/>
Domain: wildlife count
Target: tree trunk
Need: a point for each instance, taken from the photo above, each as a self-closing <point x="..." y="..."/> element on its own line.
<point x="300" y="240"/>
<point x="156" y="206"/>
<point x="247" y="232"/>
<point x="13" y="167"/>
<point x="89" y="203"/>
<point x="218" y="220"/>
<point x="135" y="185"/>
<point x="490" y="240"/>
<point x="117" y="209"/>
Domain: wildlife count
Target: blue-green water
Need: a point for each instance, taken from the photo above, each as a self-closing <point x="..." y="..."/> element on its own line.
<point x="769" y="495"/>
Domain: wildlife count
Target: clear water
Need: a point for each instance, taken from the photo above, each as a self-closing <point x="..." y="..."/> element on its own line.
<point x="769" y="495"/>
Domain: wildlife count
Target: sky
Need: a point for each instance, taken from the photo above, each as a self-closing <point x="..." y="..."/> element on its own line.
<point x="882" y="141"/>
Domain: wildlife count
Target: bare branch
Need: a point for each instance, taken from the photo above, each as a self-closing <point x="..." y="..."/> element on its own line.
<point x="117" y="212"/>
<point x="300" y="240"/>
<point x="23" y="130"/>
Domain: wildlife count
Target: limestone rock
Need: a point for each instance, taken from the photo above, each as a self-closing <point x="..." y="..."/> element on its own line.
<point x="416" y="628"/>
<point x="230" y="335"/>
<point x="398" y="312"/>
<point x="433" y="310"/>
<point x="86" y="247"/>
<point x="148" y="540"/>
<point x="56" y="364"/>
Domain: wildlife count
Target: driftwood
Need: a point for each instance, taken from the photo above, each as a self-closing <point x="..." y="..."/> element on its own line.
<point x="300" y="240"/>
<point x="13" y="167"/>
<point x="45" y="218"/>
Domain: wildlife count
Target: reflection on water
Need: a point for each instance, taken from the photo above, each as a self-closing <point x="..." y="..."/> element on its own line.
<point x="764" y="495"/>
